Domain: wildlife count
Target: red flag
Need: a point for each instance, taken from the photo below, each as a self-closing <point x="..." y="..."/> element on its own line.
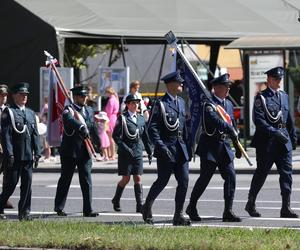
<point x="57" y="101"/>
<point x="224" y="115"/>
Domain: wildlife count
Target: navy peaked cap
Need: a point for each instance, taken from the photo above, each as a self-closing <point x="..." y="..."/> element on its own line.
<point x="22" y="87"/>
<point x="80" y="90"/>
<point x="171" y="77"/>
<point x="277" y="72"/>
<point x="132" y="98"/>
<point x="221" y="80"/>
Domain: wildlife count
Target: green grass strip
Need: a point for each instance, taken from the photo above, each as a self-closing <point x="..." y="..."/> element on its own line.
<point x="84" y="235"/>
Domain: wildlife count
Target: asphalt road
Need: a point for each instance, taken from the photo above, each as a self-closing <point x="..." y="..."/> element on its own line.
<point x="210" y="206"/>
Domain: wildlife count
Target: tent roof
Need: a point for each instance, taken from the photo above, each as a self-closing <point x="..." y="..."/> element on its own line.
<point x="149" y="20"/>
<point x="266" y="42"/>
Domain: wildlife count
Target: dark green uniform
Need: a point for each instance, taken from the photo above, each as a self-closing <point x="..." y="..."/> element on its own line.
<point x="73" y="152"/>
<point x="21" y="145"/>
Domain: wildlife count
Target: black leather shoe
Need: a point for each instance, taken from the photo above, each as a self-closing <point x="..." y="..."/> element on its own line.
<point x="192" y="213"/>
<point x="25" y="217"/>
<point x="179" y="220"/>
<point x="250" y="208"/>
<point x="116" y="205"/>
<point x="8" y="205"/>
<point x="60" y="212"/>
<point x="91" y="214"/>
<point x="288" y="213"/>
<point x="147" y="214"/>
<point x="2" y="217"/>
<point x="229" y="216"/>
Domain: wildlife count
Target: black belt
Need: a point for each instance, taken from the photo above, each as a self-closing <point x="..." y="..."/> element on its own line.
<point x="222" y="137"/>
<point x="281" y="125"/>
<point x="177" y="134"/>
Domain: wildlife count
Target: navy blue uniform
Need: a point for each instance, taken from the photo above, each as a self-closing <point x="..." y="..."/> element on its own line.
<point x="129" y="164"/>
<point x="214" y="151"/>
<point x="269" y="150"/>
<point x="274" y="139"/>
<point x="73" y="152"/>
<point x="21" y="142"/>
<point x="170" y="149"/>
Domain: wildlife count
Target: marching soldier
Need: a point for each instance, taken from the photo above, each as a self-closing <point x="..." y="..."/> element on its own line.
<point x="215" y="151"/>
<point x="274" y="139"/>
<point x="73" y="151"/>
<point x="21" y="148"/>
<point x="167" y="129"/>
<point x="3" y="165"/>
<point x="129" y="133"/>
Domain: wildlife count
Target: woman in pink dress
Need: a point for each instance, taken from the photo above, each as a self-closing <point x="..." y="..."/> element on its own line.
<point x="112" y="109"/>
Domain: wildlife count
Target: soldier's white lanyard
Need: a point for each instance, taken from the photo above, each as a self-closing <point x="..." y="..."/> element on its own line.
<point x="271" y="118"/>
<point x="125" y="129"/>
<point x="170" y="127"/>
<point x="12" y="118"/>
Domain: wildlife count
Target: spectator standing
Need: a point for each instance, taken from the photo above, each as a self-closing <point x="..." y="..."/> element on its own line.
<point x="112" y="110"/>
<point x="134" y="90"/>
<point x="103" y="126"/>
<point x="44" y="119"/>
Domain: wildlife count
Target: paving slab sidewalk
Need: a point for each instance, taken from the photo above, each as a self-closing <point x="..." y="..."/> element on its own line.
<point x="241" y="165"/>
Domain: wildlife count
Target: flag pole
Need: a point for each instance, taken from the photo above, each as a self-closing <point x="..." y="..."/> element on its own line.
<point x="172" y="40"/>
<point x="51" y="62"/>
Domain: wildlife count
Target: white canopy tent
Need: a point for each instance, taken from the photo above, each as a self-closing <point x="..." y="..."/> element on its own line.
<point x="149" y="20"/>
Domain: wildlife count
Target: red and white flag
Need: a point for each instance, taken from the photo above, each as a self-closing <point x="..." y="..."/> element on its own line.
<point x="57" y="101"/>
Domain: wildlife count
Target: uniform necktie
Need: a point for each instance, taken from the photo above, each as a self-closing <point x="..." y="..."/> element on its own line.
<point x="224" y="103"/>
<point x="175" y="102"/>
<point x="24" y="114"/>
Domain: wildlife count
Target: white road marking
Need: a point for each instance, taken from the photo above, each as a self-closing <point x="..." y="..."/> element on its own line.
<point x="127" y="187"/>
<point x="109" y="214"/>
<point x="224" y="226"/>
<point x="160" y="199"/>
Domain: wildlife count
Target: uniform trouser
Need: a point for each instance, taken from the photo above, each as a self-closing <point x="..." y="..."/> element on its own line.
<point x="164" y="171"/>
<point x="68" y="166"/>
<point x="21" y="169"/>
<point x="265" y="160"/>
<point x="207" y="170"/>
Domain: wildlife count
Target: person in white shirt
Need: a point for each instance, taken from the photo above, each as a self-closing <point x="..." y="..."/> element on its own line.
<point x="134" y="90"/>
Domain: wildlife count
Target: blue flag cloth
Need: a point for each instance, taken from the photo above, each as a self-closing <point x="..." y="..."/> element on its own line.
<point x="196" y="96"/>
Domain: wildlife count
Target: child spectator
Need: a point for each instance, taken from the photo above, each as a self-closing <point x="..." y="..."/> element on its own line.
<point x="103" y="127"/>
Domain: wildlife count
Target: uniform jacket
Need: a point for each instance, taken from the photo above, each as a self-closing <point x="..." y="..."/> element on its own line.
<point x="72" y="144"/>
<point x="124" y="142"/>
<point x="22" y="146"/>
<point x="265" y="129"/>
<point x="161" y="136"/>
<point x="213" y="148"/>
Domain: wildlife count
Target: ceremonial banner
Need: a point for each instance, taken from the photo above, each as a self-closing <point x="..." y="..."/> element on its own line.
<point x="191" y="79"/>
<point x="57" y="101"/>
<point x="195" y="94"/>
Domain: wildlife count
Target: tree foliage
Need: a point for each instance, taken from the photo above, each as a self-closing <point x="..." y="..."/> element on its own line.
<point x="76" y="54"/>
